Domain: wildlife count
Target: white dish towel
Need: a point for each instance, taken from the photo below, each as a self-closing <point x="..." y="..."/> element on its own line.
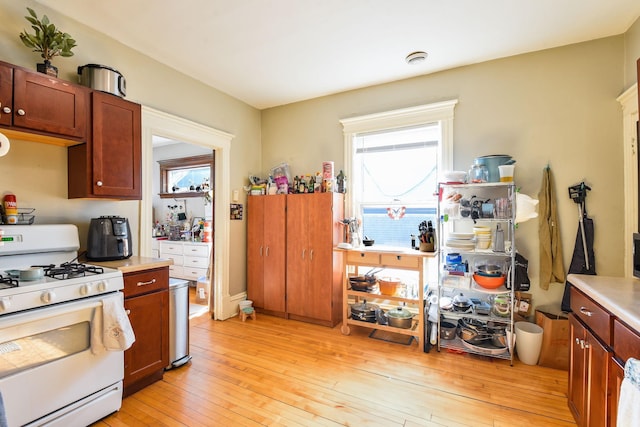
<point x="111" y="329"/>
<point x="629" y="403"/>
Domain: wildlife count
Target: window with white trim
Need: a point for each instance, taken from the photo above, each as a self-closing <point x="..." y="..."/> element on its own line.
<point x="393" y="161"/>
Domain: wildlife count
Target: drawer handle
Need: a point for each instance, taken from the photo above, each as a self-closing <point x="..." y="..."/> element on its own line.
<point x="362" y="254"/>
<point x="260" y="250"/>
<point x="150" y="282"/>
<point x="266" y="251"/>
<point x="398" y="257"/>
<point x="586" y="312"/>
<point x="311" y="255"/>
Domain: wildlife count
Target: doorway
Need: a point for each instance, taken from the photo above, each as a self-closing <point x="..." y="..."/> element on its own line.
<point x="163" y="125"/>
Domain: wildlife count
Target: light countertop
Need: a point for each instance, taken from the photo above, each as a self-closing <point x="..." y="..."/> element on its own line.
<point x="135" y="264"/>
<point x="619" y="295"/>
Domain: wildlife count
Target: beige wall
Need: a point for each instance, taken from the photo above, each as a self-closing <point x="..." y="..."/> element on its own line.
<point x="36" y="173"/>
<point x="553" y="107"/>
<point x="632" y="54"/>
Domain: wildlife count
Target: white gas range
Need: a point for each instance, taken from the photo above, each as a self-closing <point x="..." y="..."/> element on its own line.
<point x="50" y="371"/>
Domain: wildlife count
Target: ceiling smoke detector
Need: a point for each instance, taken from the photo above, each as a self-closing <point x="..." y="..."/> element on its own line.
<point x="416" y="57"/>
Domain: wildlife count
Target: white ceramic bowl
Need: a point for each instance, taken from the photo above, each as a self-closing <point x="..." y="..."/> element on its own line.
<point x="455" y="176"/>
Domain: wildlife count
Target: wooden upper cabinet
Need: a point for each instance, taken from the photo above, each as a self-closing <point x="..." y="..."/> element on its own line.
<point x="109" y="165"/>
<point x="46" y="104"/>
<point x="6" y="94"/>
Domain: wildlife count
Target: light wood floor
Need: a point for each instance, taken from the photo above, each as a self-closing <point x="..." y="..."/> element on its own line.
<point x="276" y="372"/>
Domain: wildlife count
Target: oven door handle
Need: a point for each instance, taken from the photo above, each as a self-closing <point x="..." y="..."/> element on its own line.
<point x="56" y="316"/>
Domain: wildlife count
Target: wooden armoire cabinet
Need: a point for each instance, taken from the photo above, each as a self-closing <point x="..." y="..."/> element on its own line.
<point x="314" y="269"/>
<point x="292" y="269"/>
<point x="266" y="253"/>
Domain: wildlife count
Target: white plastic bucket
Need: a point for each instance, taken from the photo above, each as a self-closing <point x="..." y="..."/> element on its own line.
<point x="245" y="304"/>
<point x="528" y="342"/>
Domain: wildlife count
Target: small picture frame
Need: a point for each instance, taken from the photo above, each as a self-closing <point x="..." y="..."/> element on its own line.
<point x="236" y="211"/>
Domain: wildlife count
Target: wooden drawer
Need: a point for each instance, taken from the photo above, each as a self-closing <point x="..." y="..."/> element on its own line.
<point x="403" y="261"/>
<point x="171" y="248"/>
<point x="626" y="341"/>
<point x="196" y="250"/>
<point x="591" y="314"/>
<point x="190" y="261"/>
<point x="146" y="281"/>
<point x="367" y="258"/>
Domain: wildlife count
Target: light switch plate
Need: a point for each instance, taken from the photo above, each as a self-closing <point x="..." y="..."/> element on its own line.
<point x="235" y="196"/>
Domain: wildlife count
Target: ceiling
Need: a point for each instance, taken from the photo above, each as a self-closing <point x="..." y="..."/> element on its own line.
<point x="274" y="52"/>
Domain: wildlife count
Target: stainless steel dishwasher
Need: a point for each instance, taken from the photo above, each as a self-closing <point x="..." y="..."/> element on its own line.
<point x="178" y="323"/>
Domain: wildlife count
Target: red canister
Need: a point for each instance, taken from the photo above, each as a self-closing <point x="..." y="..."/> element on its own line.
<point x="11" y="208"/>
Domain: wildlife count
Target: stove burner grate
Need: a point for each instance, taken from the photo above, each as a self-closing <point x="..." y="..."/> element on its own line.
<point x="69" y="270"/>
<point x="7" y="282"/>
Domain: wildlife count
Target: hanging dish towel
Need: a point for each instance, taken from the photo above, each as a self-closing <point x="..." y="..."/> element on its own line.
<point x="551" y="262"/>
<point x="111" y="329"/>
<point x="3" y="416"/>
<point x="629" y="403"/>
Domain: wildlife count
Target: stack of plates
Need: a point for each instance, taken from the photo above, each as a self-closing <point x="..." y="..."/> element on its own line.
<point x="461" y="241"/>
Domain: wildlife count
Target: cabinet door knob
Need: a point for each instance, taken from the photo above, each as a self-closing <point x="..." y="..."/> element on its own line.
<point x="6" y="110"/>
<point x="21" y="112"/>
<point x="99" y="183"/>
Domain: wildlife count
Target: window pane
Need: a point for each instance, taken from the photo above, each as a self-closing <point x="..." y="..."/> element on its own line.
<point x="395" y="181"/>
<point x="379" y="225"/>
<point x="185" y="178"/>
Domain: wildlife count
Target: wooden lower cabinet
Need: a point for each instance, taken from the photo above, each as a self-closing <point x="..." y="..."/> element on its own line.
<point x="266" y="252"/>
<point x="588" y="376"/>
<point x="314" y="269"/>
<point x="147" y="303"/>
<point x="616" y="375"/>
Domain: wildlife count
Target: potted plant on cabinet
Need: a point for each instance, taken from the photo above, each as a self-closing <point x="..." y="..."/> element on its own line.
<point x="48" y="40"/>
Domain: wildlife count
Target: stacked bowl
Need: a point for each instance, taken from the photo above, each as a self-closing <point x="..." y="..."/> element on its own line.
<point x="483" y="236"/>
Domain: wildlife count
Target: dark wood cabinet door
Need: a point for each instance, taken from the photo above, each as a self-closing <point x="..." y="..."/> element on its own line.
<point x="616" y="375"/>
<point x="598" y="375"/>
<point x="149" y="354"/>
<point x="116" y="147"/>
<point x="47" y="104"/>
<point x="577" y="370"/>
<point x="6" y="94"/>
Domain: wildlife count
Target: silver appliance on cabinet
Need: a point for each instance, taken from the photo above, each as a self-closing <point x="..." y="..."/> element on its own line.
<point x="178" y="323"/>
